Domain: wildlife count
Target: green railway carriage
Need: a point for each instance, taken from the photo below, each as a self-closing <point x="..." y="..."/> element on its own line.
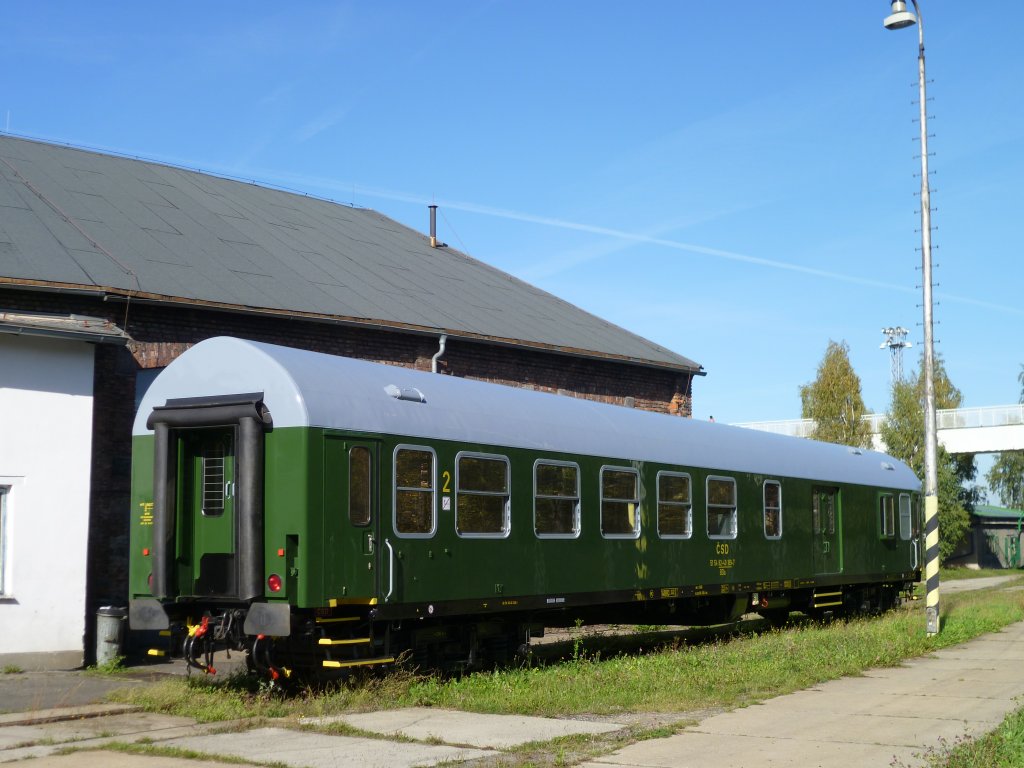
<point x="320" y="513"/>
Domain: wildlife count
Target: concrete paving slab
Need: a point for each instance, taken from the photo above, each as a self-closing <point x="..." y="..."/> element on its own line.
<point x="316" y="750"/>
<point x="937" y="665"/>
<point x="989" y="652"/>
<point x="697" y="750"/>
<point x="30" y="691"/>
<point x="64" y="731"/>
<point x="970" y="585"/>
<point x="906" y="730"/>
<point x="865" y="721"/>
<point x="64" y="713"/>
<point x="100" y="759"/>
<point x="49" y="749"/>
<point x="465" y="728"/>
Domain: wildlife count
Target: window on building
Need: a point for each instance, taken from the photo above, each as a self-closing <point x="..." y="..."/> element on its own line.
<point x="721" y="508"/>
<point x="772" y="510"/>
<point x="620" y="503"/>
<point x="414" y="492"/>
<point x="675" y="512"/>
<point x="886" y="516"/>
<point x="4" y="554"/>
<point x="481" y="495"/>
<point x="556" y="499"/>
<point x="906" y="525"/>
<point x="359" y="484"/>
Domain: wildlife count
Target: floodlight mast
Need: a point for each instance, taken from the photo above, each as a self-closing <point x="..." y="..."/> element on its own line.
<point x="898" y="19"/>
<point x="896" y="342"/>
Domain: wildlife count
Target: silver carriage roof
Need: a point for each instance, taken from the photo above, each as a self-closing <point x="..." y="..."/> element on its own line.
<point x="302" y="388"/>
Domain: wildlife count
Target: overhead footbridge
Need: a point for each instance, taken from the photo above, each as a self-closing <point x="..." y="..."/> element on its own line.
<point x="988" y="429"/>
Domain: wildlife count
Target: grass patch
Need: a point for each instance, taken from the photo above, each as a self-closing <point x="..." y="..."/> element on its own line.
<point x="1003" y="748"/>
<point x="722" y="673"/>
<point x="12" y="669"/>
<point x="156" y="750"/>
<point x="112" y="666"/>
<point x="976" y="573"/>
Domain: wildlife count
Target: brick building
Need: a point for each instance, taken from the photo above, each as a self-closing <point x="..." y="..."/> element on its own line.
<point x="163" y="258"/>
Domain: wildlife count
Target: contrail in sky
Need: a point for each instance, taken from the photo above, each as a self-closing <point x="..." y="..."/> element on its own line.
<point x="718" y="253"/>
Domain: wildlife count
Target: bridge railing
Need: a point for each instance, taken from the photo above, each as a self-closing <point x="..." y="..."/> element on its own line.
<point x="991" y="416"/>
<point x="955" y="418"/>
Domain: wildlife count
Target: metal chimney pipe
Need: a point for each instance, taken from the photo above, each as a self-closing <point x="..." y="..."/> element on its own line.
<point x="433" y="226"/>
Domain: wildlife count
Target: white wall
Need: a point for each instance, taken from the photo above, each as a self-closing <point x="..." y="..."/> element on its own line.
<point x="45" y="453"/>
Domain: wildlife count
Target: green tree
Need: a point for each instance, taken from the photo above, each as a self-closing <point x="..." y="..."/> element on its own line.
<point x="903" y="434"/>
<point x="834" y="400"/>
<point x="1006" y="477"/>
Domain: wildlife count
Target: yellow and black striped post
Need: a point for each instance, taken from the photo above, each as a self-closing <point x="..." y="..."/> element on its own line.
<point x="900" y="18"/>
<point x="931" y="563"/>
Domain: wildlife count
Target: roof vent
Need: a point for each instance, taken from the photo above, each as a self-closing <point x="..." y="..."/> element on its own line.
<point x="888" y="467"/>
<point x="433" y="229"/>
<point x="405" y="393"/>
<point x="855" y="451"/>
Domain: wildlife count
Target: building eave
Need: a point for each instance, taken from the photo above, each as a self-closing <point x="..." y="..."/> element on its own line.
<point x="110" y="294"/>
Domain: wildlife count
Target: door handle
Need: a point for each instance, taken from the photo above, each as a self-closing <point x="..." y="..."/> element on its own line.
<point x="229" y="489"/>
<point x="391" y="570"/>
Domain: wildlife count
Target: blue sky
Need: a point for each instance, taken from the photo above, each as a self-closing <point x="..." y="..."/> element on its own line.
<point x="732" y="180"/>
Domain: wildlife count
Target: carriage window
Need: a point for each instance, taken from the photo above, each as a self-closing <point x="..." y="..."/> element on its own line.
<point x="675" y="514"/>
<point x="359" y="485"/>
<point x="482" y="497"/>
<point x="772" y="510"/>
<point x="213" y="479"/>
<point x="886" y="516"/>
<point x="414" y="492"/>
<point x="556" y="499"/>
<point x="620" y="503"/>
<point x="721" y="508"/>
<point x="905" y="519"/>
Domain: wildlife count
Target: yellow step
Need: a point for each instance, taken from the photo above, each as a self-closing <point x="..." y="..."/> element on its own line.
<point x="349" y="641"/>
<point x="359" y="662"/>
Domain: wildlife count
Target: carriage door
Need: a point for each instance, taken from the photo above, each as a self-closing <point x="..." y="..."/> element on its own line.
<point x="826" y="531"/>
<point x="351" y="519"/>
<point x="209" y="494"/>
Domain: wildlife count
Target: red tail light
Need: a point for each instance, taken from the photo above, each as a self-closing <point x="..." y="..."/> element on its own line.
<point x="274" y="582"/>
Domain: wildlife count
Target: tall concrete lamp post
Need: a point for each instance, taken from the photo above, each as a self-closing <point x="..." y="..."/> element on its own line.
<point x="898" y="19"/>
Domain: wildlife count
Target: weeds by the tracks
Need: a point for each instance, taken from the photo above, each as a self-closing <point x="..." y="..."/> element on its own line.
<point x="725" y="672"/>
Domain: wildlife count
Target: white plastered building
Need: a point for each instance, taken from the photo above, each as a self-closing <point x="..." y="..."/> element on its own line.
<point x="46" y="427"/>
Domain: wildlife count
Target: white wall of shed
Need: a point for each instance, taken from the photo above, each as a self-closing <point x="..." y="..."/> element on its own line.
<point x="46" y="406"/>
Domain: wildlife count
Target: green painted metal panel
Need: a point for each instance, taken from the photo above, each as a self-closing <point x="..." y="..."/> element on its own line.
<point x="312" y="542"/>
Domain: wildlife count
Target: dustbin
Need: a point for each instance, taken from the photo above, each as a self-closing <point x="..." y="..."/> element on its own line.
<point x="109" y="633"/>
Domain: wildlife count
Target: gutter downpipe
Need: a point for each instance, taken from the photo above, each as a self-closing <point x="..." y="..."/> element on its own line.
<point x="440" y="352"/>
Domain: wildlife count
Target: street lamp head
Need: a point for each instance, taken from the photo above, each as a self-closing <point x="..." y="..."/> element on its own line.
<point x="900" y="16"/>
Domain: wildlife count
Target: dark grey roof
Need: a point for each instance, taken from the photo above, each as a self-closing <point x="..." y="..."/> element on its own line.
<point x="121" y="225"/>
